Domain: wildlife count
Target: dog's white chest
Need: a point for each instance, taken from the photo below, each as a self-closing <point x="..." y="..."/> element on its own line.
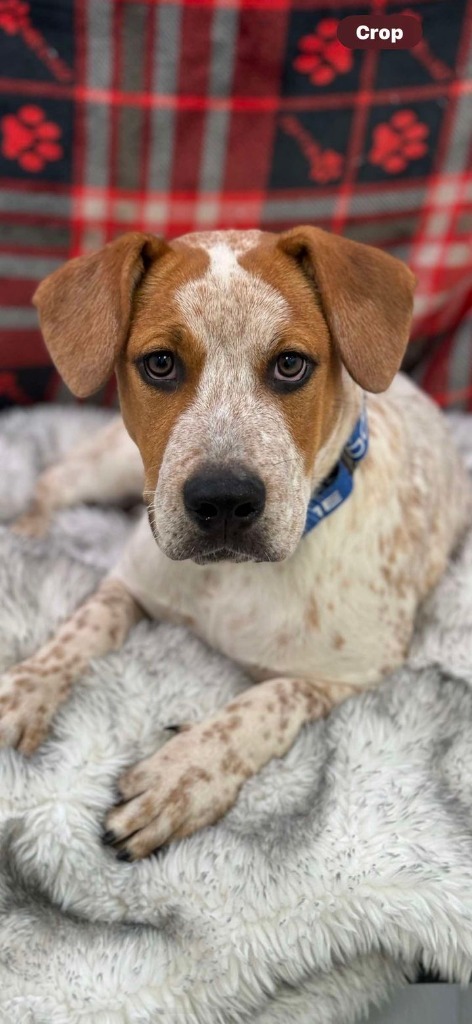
<point x="316" y="617"/>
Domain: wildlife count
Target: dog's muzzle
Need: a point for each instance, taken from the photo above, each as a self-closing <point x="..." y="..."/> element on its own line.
<point x="224" y="503"/>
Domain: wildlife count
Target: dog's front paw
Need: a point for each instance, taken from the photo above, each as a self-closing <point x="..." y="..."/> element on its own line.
<point x="27" y="705"/>
<point x="188" y="784"/>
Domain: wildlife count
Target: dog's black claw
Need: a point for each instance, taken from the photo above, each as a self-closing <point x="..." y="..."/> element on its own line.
<point x="182" y="727"/>
<point x="124" y="855"/>
<point x="109" y="837"/>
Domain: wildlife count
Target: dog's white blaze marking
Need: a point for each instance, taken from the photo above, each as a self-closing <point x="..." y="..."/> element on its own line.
<point x="223" y="262"/>
<point x="238" y="241"/>
<point x="229" y="307"/>
<point x="236" y="315"/>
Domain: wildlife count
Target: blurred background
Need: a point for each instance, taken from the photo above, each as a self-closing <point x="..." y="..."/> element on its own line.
<point x="200" y="114"/>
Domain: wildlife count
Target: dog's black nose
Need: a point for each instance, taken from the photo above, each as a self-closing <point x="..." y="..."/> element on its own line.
<point x="226" y="498"/>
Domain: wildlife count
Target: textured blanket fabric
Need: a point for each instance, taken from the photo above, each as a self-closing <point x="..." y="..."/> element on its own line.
<point x="342" y="867"/>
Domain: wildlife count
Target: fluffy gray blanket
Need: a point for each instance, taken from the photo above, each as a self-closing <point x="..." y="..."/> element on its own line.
<point x="343" y="866"/>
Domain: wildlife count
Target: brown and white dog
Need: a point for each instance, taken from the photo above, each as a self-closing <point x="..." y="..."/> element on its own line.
<point x="243" y="361"/>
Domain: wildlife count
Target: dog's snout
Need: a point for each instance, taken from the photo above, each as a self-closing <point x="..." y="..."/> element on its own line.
<point x="226" y="498"/>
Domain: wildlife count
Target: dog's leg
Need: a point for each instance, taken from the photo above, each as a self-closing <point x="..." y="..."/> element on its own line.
<point x="104" y="469"/>
<point x="31" y="691"/>
<point x="195" y="778"/>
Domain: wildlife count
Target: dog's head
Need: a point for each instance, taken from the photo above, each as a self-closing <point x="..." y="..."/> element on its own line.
<point x="240" y="359"/>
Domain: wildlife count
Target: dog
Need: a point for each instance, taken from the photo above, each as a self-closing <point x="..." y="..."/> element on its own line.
<point x="303" y="497"/>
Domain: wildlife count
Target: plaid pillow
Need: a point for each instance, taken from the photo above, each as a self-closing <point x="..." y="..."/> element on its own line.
<point x="199" y="114"/>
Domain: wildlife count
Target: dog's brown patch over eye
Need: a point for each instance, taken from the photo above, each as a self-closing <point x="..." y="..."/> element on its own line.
<point x="309" y="404"/>
<point x="158" y="336"/>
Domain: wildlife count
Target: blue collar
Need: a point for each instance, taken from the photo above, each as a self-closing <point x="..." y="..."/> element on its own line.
<point x="339" y="484"/>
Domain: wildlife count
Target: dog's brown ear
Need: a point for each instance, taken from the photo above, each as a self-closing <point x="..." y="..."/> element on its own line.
<point x="367" y="299"/>
<point x="84" y="308"/>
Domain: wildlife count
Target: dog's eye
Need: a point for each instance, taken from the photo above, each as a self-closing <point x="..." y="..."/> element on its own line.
<point x="290" y="366"/>
<point x="160" y="366"/>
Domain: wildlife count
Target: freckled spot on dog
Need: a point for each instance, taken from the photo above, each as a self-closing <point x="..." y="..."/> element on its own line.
<point x="312" y="615"/>
<point x="235" y="705"/>
<point x="284" y="639"/>
<point x="21" y="678"/>
<point x="188" y="621"/>
<point x="41" y="671"/>
<point x="81" y="619"/>
<point x="233" y="722"/>
<point x="316" y="703"/>
<point x="148" y="807"/>
<point x="282" y="695"/>
<point x="137" y="778"/>
<point x="222" y="732"/>
<point x="231" y="763"/>
<point x="338" y="641"/>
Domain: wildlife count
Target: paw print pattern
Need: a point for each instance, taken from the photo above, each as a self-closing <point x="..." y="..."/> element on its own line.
<point x="398" y="141"/>
<point x="322" y="56"/>
<point x="30" y="139"/>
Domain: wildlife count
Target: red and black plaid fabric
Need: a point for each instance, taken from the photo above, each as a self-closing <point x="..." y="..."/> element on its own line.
<point x="198" y="114"/>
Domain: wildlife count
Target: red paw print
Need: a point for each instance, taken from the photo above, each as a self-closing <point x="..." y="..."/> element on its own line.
<point x="323" y="56"/>
<point x="326" y="167"/>
<point x="14" y="16"/>
<point x="398" y="141"/>
<point x="30" y="139"/>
